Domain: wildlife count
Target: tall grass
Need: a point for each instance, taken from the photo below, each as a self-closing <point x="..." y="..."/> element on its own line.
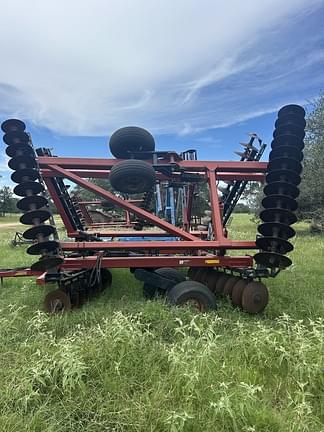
<point x="123" y="364"/>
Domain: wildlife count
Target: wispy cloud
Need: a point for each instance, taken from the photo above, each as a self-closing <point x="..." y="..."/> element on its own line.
<point x="87" y="68"/>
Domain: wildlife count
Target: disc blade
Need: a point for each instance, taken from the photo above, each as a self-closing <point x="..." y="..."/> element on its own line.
<point x="278" y="215"/>
<point x="255" y="297"/>
<point x="297" y="110"/>
<point x="220" y="284"/>
<point x="281" y="188"/>
<point x="289" y="140"/>
<point x="229" y="285"/>
<point x="43" y="248"/>
<point x="16" y="138"/>
<point x="35" y="217"/>
<point x="39" y="230"/>
<point x="26" y="174"/>
<point x="237" y="292"/>
<point x="276" y="229"/>
<point x="272" y="260"/>
<point x="57" y="302"/>
<point x="288" y="176"/>
<point x="279" y="202"/>
<point x="285" y="163"/>
<point x="291" y="119"/>
<point x="47" y="263"/>
<point x="12" y="125"/>
<point x="286" y="151"/>
<point x="289" y="129"/>
<point x="20" y="150"/>
<point x="28" y="188"/>
<point x="22" y="162"/>
<point x="274" y="244"/>
<point x="33" y="202"/>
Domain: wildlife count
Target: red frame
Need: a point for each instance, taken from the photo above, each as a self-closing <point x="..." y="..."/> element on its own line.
<point x="192" y="245"/>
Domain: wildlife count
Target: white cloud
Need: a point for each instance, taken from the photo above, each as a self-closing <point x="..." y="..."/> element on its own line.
<point x="3" y="162"/>
<point x="89" y="66"/>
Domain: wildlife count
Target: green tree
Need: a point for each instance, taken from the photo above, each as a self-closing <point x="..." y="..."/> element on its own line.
<point x="7" y="202"/>
<point x="311" y="199"/>
<point x="86" y="195"/>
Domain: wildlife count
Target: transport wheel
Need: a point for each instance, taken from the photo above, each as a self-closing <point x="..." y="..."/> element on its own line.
<point x="151" y="292"/>
<point x="57" y="301"/>
<point x="192" y="294"/>
<point x="229" y="285"/>
<point x="237" y="292"/>
<point x="212" y="279"/>
<point x="171" y="273"/>
<point x="132" y="176"/>
<point x="131" y="139"/>
<point x="219" y="287"/>
<point x="255" y="297"/>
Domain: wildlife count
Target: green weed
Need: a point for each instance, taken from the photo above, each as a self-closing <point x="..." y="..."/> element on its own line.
<point x="124" y="364"/>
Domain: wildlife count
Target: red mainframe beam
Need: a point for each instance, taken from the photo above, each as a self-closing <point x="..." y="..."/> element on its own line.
<point x="137" y="262"/>
<point x="158" y="261"/>
<point x="215" y="207"/>
<point x="257" y="177"/>
<point x="159" y="245"/>
<point x="134" y="233"/>
<point x="58" y="205"/>
<point x="122" y="203"/>
<point x="194" y="166"/>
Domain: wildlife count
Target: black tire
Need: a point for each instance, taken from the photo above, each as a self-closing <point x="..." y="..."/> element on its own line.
<point x="171" y="273"/>
<point x="132" y="176"/>
<point x="192" y="292"/>
<point x="151" y="292"/>
<point x="131" y="139"/>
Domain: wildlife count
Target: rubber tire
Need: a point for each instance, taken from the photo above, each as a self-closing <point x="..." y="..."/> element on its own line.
<point x="171" y="273"/>
<point x="132" y="176"/>
<point x="184" y="291"/>
<point x="131" y="139"/>
<point x="150" y="292"/>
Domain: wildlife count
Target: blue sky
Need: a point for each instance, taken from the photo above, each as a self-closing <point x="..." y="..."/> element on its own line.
<point x="196" y="74"/>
